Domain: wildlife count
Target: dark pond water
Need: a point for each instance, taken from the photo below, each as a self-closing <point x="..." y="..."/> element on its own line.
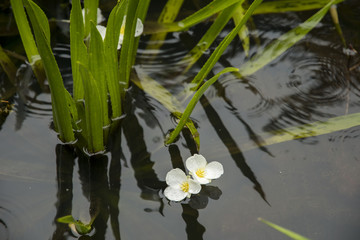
<point x="311" y="185"/>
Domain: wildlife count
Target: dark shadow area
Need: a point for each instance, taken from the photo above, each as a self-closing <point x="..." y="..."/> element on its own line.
<point x="231" y="145"/>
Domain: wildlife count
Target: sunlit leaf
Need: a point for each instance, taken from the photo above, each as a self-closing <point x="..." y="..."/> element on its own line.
<point x="211" y="34"/>
<point x="66" y="219"/>
<point x="291" y="5"/>
<point x="58" y="95"/>
<point x="244" y="31"/>
<point x="283" y="43"/>
<point x="97" y="68"/>
<point x="223" y="45"/>
<point x="199" y="16"/>
<point x="78" y="49"/>
<point x="110" y="46"/>
<point x="93" y="111"/>
<point x="283" y="230"/>
<point x="191" y="126"/>
<point x="190" y="107"/>
<point x="167" y="15"/>
<point x="90" y="7"/>
<point x="28" y="39"/>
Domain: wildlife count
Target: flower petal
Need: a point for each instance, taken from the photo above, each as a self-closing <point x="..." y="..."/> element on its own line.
<point x="102" y="31"/>
<point x="200" y="180"/>
<point x="194" y="186"/>
<point x="139" y="28"/>
<point x="175" y="178"/>
<point x="214" y="170"/>
<point x="195" y="162"/>
<point x="174" y="194"/>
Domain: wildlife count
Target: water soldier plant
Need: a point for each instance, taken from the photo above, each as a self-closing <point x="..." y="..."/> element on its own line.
<point x="85" y="116"/>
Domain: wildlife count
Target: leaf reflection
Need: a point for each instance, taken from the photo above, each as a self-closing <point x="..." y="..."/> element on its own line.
<point x="231" y="145"/>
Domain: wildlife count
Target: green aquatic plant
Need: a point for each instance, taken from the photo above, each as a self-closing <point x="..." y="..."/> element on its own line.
<point x="99" y="89"/>
<point x="77" y="226"/>
<point x="283" y="230"/>
<point x="83" y="116"/>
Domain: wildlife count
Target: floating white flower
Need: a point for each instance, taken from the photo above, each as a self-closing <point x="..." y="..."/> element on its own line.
<point x="202" y="171"/>
<point x="180" y="185"/>
<point x="138" y="30"/>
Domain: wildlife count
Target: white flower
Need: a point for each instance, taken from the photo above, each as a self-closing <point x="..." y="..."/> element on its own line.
<point x="100" y="17"/>
<point x="180" y="185"/>
<point x="202" y="171"/>
<point x="138" y="30"/>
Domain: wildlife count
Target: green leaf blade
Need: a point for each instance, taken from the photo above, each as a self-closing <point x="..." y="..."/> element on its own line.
<point x="78" y="49"/>
<point x="62" y="118"/>
<point x="191" y="105"/>
<point x="283" y="230"/>
<point x="93" y="112"/>
<point x="110" y="47"/>
<point x="283" y="43"/>
<point x="97" y="68"/>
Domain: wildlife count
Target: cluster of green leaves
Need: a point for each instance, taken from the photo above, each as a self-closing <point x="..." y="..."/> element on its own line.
<point x="84" y="116"/>
<point x="96" y="83"/>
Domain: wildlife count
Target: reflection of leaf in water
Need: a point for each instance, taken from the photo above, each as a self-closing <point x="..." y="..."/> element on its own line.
<point x="307" y="130"/>
<point x="231" y="145"/>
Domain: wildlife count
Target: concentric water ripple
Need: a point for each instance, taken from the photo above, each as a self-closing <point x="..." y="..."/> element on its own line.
<point x="10" y="221"/>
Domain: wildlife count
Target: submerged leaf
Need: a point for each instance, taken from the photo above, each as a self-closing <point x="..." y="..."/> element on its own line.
<point x="285" y="231"/>
<point x="66" y="219"/>
<point x="307" y="130"/>
<point x="283" y="43"/>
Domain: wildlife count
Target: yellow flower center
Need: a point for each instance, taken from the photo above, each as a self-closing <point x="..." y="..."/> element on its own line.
<point x="200" y="172"/>
<point x="184" y="187"/>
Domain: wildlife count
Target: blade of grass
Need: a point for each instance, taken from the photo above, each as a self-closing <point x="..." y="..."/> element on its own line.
<point x="136" y="9"/>
<point x="283" y="43"/>
<point x="222" y="46"/>
<point x="28" y="39"/>
<point x="97" y="69"/>
<point x="283" y="230"/>
<point x="126" y="57"/>
<point x="244" y="32"/>
<point x="90" y="7"/>
<point x="167" y="15"/>
<point x="190" y="107"/>
<point x="211" y="34"/>
<point x="335" y="18"/>
<point x="93" y="111"/>
<point x="78" y="49"/>
<point x="110" y="44"/>
<point x="291" y="5"/>
<point x="199" y="16"/>
<point x="61" y="114"/>
<point x="141" y="14"/>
